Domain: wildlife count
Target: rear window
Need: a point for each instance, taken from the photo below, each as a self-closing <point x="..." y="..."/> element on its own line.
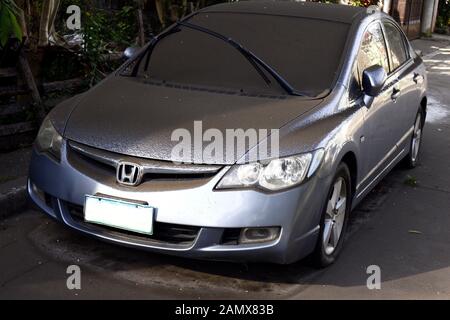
<point x="305" y="52"/>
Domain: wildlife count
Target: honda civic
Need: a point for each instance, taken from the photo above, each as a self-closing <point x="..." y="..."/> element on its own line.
<point x="335" y="94"/>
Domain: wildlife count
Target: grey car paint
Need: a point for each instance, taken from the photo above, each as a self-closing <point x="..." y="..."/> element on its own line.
<point x="372" y="135"/>
<point x="155" y="112"/>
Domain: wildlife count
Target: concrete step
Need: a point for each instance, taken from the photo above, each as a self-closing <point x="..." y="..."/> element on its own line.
<point x="13" y="90"/>
<point x="10" y="109"/>
<point x="16" y="128"/>
<point x="8" y="72"/>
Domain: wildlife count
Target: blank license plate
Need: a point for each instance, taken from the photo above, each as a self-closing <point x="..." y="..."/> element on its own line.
<point x="121" y="214"/>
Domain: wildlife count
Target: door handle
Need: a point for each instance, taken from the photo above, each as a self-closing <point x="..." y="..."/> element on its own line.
<point x="416" y="77"/>
<point x="395" y="94"/>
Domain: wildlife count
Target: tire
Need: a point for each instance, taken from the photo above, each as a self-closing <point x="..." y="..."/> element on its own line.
<point x="327" y="248"/>
<point x="412" y="158"/>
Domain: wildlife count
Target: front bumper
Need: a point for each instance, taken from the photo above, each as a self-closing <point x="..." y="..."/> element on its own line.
<point x="193" y="206"/>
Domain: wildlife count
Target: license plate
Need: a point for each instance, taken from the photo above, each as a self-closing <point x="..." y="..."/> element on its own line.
<point x="117" y="213"/>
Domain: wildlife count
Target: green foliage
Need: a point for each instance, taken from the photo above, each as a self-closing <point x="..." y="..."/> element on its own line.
<point x="125" y="27"/>
<point x="443" y="19"/>
<point x="357" y="3"/>
<point x="8" y="21"/>
<point x="363" y="3"/>
<point x="106" y="32"/>
<point x="59" y="64"/>
<point x="410" y="181"/>
<point x="169" y="11"/>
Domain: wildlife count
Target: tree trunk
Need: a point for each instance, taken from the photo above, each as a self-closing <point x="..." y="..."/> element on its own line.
<point x="22" y="4"/>
<point x="141" y="24"/>
<point x="47" y="23"/>
<point x="25" y="70"/>
<point x="160" y="10"/>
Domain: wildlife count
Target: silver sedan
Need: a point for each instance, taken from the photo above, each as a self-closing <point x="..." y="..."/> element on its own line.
<point x="339" y="89"/>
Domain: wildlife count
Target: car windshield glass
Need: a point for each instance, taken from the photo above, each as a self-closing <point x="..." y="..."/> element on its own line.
<point x="305" y="52"/>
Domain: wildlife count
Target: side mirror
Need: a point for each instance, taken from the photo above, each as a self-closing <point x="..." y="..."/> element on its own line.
<point x="373" y="79"/>
<point x="130" y="52"/>
<point x="419" y="53"/>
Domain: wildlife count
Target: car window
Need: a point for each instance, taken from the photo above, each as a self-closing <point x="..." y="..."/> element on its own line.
<point x="305" y="52"/>
<point x="396" y="45"/>
<point x="354" y="87"/>
<point x="373" y="50"/>
<point x="195" y="58"/>
<point x="308" y="61"/>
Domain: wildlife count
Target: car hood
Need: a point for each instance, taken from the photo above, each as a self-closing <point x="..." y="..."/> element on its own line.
<point x="127" y="116"/>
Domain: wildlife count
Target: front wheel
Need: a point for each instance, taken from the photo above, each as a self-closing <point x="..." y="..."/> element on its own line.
<point x="412" y="157"/>
<point x="334" y="218"/>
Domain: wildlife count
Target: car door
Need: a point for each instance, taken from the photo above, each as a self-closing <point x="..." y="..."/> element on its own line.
<point x="378" y="145"/>
<point x="403" y="72"/>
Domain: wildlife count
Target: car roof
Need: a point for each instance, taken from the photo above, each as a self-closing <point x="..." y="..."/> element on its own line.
<point x="311" y="10"/>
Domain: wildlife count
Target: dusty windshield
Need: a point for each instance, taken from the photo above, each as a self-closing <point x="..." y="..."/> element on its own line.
<point x="307" y="60"/>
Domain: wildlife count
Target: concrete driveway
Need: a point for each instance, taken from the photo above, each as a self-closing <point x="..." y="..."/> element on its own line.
<point x="403" y="227"/>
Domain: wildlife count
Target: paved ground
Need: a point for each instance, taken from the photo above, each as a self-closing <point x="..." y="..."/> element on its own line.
<point x="13" y="172"/>
<point x="403" y="227"/>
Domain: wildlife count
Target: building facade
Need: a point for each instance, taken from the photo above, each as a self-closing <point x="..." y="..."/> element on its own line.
<point x="417" y="17"/>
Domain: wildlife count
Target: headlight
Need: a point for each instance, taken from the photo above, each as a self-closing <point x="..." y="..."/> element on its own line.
<point x="276" y="175"/>
<point x="49" y="140"/>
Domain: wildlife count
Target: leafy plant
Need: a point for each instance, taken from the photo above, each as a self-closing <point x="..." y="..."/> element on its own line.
<point x="363" y="3"/>
<point x="9" y="26"/>
<point x="125" y="27"/>
<point x="357" y="3"/>
<point x="101" y="39"/>
<point x="410" y="181"/>
<point x="443" y="19"/>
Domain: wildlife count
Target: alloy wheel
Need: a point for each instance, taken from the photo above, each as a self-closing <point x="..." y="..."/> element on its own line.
<point x="335" y="216"/>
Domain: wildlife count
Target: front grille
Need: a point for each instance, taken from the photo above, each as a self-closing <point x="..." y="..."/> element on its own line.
<point x="162" y="232"/>
<point x="93" y="159"/>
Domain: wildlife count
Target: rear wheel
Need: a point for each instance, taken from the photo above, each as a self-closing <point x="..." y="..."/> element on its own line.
<point x="334" y="218"/>
<point x="412" y="157"/>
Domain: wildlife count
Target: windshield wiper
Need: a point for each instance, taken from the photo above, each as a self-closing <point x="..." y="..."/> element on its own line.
<point x="148" y="51"/>
<point x="255" y="61"/>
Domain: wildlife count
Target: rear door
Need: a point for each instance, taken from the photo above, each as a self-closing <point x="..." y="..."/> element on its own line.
<point x="402" y="71"/>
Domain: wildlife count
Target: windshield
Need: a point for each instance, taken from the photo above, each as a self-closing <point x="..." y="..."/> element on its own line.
<point x="305" y="52"/>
